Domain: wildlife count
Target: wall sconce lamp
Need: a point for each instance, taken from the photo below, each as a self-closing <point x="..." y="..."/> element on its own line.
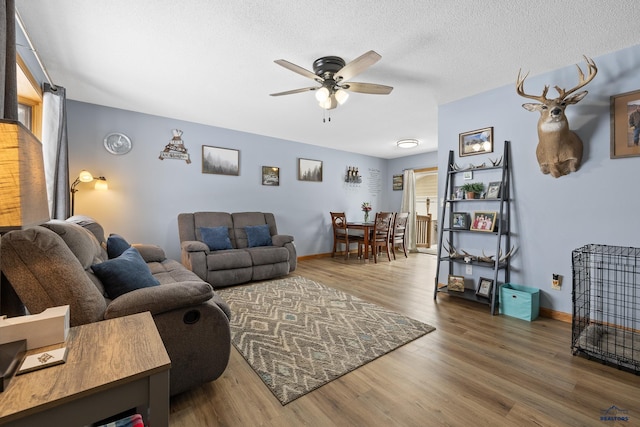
<point x="85" y="176"/>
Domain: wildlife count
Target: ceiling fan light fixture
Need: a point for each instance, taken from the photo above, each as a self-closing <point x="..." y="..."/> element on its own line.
<point x="341" y="96"/>
<point x="326" y="104"/>
<point x="407" y="143"/>
<point x="322" y="94"/>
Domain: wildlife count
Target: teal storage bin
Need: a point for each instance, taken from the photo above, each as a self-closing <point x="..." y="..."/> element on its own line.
<point x="519" y="301"/>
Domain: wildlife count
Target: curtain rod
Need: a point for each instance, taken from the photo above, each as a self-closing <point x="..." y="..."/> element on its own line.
<point x="35" y="52"/>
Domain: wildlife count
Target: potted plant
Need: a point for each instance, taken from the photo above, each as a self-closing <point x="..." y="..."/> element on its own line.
<point x="472" y="188"/>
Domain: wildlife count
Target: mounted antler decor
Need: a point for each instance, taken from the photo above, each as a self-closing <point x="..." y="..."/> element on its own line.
<point x="559" y="150"/>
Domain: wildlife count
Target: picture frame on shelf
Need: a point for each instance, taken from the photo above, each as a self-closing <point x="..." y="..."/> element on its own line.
<point x="479" y="141"/>
<point x="625" y="108"/>
<point x="309" y="170"/>
<point x="460" y="220"/>
<point x="493" y="190"/>
<point x="485" y="287"/>
<point x="220" y="161"/>
<point x="467" y="175"/>
<point x="455" y="283"/>
<point x="484" y="221"/>
<point x="457" y="193"/>
<point x="271" y="176"/>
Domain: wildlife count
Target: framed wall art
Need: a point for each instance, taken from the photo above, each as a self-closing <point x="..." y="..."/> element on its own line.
<point x="479" y="141"/>
<point x="455" y="283"/>
<point x="310" y="170"/>
<point x="271" y="176"/>
<point x="484" y="287"/>
<point x="460" y="220"/>
<point x="220" y="161"/>
<point x="484" y="221"/>
<point x="398" y="182"/>
<point x="625" y="125"/>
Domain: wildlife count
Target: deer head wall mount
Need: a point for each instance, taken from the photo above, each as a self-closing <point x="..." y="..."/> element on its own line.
<point x="559" y="149"/>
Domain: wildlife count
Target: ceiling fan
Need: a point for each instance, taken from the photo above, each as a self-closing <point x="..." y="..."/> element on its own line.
<point x="332" y="73"/>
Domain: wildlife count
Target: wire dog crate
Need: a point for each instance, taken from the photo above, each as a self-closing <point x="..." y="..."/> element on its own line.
<point x="606" y="305"/>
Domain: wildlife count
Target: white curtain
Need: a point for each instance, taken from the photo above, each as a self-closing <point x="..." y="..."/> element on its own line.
<point x="409" y="205"/>
<point x="55" y="150"/>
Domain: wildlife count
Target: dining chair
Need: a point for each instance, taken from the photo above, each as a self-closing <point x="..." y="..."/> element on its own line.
<point x="341" y="234"/>
<point x="380" y="236"/>
<point x="398" y="235"/>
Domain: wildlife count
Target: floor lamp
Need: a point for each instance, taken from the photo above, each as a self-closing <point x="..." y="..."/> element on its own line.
<point x="85" y="176"/>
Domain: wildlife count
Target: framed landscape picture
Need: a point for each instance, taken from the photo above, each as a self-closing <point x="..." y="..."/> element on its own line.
<point x="479" y="141"/>
<point x="456" y="283"/>
<point x="484" y="221"/>
<point x="398" y="181"/>
<point x="310" y="170"/>
<point x="625" y="125"/>
<point x="270" y="176"/>
<point x="221" y="161"/>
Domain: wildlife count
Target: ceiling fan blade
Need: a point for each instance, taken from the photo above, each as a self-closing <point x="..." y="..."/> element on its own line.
<point x="357" y="66"/>
<point x="298" y="69"/>
<point x="371" y="88"/>
<point x="290" y="92"/>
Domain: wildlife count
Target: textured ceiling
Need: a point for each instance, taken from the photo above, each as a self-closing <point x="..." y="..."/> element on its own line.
<point x="211" y="62"/>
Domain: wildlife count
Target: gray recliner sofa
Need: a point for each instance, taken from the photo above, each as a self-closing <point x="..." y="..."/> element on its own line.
<point x="51" y="265"/>
<point x="239" y="261"/>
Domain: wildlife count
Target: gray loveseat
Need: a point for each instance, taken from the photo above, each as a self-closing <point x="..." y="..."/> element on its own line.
<point x="51" y="265"/>
<point x="223" y="249"/>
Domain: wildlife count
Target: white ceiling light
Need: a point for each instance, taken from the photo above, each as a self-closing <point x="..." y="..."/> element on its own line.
<point x="322" y="94"/>
<point x="341" y="96"/>
<point x="407" y="143"/>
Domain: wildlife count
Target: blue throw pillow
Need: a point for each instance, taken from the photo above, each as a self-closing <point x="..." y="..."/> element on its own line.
<point x="125" y="273"/>
<point x="217" y="238"/>
<point x="116" y="245"/>
<point x="258" y="235"/>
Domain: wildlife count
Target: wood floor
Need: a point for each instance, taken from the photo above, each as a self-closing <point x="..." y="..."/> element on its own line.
<point x="473" y="370"/>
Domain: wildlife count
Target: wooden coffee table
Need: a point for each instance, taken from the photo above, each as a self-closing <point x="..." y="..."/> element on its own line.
<point x="112" y="366"/>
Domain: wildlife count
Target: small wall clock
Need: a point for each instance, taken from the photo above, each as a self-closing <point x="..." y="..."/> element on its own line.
<point x="117" y="143"/>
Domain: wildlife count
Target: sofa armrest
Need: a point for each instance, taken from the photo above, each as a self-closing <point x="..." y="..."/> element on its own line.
<point x="150" y="253"/>
<point x="281" y="239"/>
<point x="194" y="246"/>
<point x="158" y="299"/>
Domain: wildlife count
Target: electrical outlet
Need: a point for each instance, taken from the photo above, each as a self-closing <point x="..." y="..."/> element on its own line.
<point x="556" y="282"/>
<point x="469" y="270"/>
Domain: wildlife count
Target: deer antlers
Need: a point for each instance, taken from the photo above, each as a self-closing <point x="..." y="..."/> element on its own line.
<point x="591" y="67"/>
<point x="454" y="254"/>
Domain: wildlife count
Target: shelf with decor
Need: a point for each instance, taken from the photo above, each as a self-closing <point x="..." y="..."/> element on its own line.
<point x="490" y="223"/>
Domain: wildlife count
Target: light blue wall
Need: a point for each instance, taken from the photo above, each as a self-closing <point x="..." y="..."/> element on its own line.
<point x="551" y="217"/>
<point x="146" y="194"/>
<point x="398" y="166"/>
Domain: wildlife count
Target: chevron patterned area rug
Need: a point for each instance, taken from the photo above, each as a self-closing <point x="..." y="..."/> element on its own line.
<point x="298" y="334"/>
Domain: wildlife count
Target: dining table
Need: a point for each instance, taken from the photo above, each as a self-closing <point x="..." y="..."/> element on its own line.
<point x="367" y="228"/>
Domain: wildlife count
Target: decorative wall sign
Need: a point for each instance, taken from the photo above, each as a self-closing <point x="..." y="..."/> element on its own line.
<point x="175" y="148"/>
<point x="353" y="176"/>
<point x="270" y="176"/>
<point x="220" y="161"/>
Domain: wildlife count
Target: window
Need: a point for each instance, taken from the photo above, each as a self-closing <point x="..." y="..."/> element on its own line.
<point x="29" y="99"/>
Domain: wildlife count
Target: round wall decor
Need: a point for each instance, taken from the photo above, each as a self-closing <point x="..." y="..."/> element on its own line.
<point x="117" y="143"/>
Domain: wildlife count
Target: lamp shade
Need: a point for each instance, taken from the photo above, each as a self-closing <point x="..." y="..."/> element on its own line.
<point x="23" y="189"/>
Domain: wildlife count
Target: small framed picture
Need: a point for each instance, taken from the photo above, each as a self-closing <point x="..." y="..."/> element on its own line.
<point x="310" y="170"/>
<point x="457" y="193"/>
<point x="467" y="175"/>
<point x="398" y="181"/>
<point x="485" y="287"/>
<point x="460" y="220"/>
<point x="456" y="283"/>
<point x="493" y="190"/>
<point x="625" y="125"/>
<point x="484" y="221"/>
<point x="271" y="176"/>
<point x="479" y="141"/>
<point x="220" y="161"/>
